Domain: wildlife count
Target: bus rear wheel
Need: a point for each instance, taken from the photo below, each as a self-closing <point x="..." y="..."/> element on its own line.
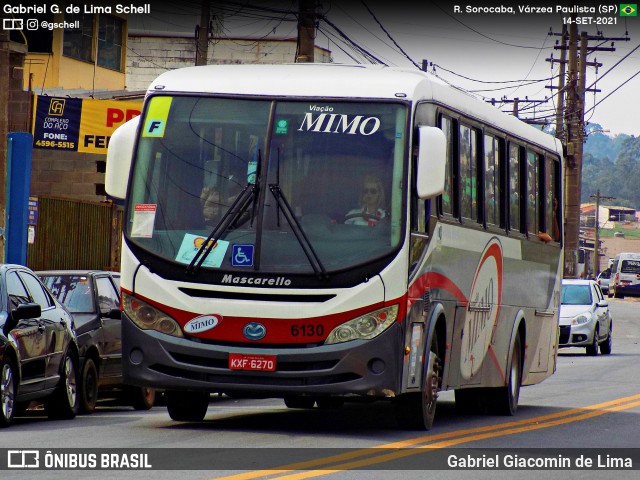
<point x="416" y="411"/>
<point x="187" y="406"/>
<point x="505" y="399"/>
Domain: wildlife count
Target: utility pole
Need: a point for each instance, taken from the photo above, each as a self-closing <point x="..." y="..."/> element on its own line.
<point x="573" y="132"/>
<point x="202" y="34"/>
<point x="573" y="122"/>
<point x="306" y="31"/>
<point x="596" y="234"/>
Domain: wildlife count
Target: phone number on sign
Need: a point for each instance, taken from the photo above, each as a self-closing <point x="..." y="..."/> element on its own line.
<point x="55" y="144"/>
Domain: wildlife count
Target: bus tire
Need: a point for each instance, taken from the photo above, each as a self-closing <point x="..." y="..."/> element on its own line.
<point x="416" y="411"/>
<point x="505" y="399"/>
<point x="141" y="398"/>
<point x="187" y="406"/>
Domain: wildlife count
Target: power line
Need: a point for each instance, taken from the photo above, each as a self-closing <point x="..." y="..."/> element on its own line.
<point x="390" y="37"/>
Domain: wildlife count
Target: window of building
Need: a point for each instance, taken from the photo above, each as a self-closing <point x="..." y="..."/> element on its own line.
<point x="110" y="42"/>
<point x="78" y="43"/>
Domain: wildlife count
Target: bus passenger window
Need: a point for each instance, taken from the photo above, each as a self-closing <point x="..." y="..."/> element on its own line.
<point x="551" y="204"/>
<point x="533" y="178"/>
<point x="492" y="180"/>
<point x="447" y="196"/>
<point x="468" y="173"/>
<point x="514" y="187"/>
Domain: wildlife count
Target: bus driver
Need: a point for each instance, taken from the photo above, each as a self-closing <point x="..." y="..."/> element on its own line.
<point x="372" y="200"/>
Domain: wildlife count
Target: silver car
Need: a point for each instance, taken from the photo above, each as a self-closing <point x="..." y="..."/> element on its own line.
<point x="585" y="320"/>
<point x="603" y="280"/>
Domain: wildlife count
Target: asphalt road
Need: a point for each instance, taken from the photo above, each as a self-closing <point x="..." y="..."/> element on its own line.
<point x="587" y="411"/>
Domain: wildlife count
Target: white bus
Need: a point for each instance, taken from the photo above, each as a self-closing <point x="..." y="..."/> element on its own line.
<point x="322" y="233"/>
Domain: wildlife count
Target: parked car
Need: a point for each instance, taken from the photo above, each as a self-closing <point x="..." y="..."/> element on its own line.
<point x="603" y="280"/>
<point x="38" y="349"/>
<point x="585" y="320"/>
<point x="93" y="298"/>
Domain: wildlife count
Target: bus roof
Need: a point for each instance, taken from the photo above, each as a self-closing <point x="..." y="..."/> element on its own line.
<point x="340" y="81"/>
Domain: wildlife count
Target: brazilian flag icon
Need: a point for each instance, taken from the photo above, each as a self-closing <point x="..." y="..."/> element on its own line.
<point x="629" y="10"/>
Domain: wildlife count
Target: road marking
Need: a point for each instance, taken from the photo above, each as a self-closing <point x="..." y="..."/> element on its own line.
<point x="442" y="440"/>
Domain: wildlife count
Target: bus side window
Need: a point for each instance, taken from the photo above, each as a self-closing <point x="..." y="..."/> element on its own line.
<point x="533" y="192"/>
<point x="492" y="180"/>
<point x="447" y="197"/>
<point x="468" y="172"/>
<point x="514" y="187"/>
<point x="551" y="201"/>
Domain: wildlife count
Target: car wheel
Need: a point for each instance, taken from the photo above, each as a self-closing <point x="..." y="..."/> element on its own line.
<point x="593" y="348"/>
<point x="187" y="406"/>
<point x="7" y="392"/>
<point x="416" y="411"/>
<point x="141" y="398"/>
<point x="63" y="403"/>
<point x="606" y="346"/>
<point x="88" y="386"/>
<point x="299" y="402"/>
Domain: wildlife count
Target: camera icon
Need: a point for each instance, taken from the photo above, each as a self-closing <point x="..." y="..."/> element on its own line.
<point x="32" y="24"/>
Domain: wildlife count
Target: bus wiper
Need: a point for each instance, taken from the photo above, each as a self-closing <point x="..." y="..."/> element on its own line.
<point x="231" y="217"/>
<point x="297" y="230"/>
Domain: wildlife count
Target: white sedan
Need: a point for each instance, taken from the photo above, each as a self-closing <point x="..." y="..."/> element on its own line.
<point x="585" y="320"/>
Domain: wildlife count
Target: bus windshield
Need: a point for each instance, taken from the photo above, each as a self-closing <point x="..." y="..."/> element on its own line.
<point x="326" y="181"/>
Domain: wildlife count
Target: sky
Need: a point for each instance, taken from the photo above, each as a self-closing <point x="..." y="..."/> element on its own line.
<point x="492" y="55"/>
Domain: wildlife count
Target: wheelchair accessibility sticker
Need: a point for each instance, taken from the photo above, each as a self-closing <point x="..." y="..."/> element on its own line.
<point x="242" y="255"/>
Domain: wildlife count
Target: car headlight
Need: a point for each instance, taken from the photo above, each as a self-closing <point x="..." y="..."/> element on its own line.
<point x="149" y="318"/>
<point x="364" y="327"/>
<point x="580" y="319"/>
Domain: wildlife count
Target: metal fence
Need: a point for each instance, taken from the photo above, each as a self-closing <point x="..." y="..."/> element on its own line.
<point x="73" y="234"/>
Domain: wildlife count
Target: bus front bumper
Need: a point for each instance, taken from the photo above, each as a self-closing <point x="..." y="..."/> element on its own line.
<point x="366" y="368"/>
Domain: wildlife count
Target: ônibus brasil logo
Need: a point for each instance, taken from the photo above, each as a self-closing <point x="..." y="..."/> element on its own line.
<point x="484" y="305"/>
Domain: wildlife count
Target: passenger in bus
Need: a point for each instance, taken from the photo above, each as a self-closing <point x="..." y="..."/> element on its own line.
<point x="372" y="201"/>
<point x="211" y="208"/>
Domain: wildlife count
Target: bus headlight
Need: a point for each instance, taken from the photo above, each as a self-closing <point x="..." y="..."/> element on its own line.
<point x="364" y="327"/>
<point x="149" y="318"/>
<point x="580" y="319"/>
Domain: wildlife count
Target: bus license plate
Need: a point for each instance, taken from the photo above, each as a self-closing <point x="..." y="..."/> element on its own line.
<point x="261" y="363"/>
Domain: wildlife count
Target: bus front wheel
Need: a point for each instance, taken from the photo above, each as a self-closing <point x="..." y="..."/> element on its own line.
<point x="187" y="406"/>
<point x="416" y="411"/>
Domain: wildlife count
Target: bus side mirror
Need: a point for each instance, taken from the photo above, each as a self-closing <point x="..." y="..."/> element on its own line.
<point x="432" y="156"/>
<point x="119" y="156"/>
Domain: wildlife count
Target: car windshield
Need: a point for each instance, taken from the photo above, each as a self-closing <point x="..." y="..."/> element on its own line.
<point x="576" y="295"/>
<point x="73" y="291"/>
<point x="324" y="181"/>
